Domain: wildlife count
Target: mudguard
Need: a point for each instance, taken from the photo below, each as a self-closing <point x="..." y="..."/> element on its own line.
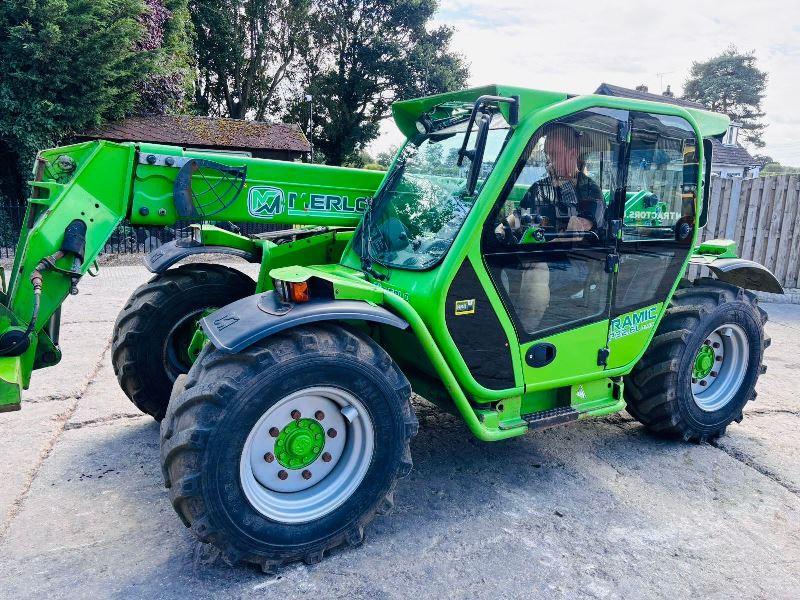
<point x="166" y="255"/>
<point x="235" y="327"/>
<point x="741" y="272"/>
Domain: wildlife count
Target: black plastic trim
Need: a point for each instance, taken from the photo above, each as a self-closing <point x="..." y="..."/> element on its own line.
<point x="166" y="255"/>
<point x="477" y="332"/>
<point x="744" y="273"/>
<point x="239" y="325"/>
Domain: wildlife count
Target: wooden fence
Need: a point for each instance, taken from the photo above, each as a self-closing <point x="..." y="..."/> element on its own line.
<point x="762" y="216"/>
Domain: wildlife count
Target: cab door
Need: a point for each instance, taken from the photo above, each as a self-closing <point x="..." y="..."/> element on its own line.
<point x="658" y="227"/>
<point x="550" y="245"/>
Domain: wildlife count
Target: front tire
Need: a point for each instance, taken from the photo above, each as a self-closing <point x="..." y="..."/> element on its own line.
<point x="153" y="330"/>
<point x="288" y="449"/>
<point x="703" y="363"/>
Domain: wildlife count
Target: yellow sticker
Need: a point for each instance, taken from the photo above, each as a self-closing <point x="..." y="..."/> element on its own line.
<point x="465" y="307"/>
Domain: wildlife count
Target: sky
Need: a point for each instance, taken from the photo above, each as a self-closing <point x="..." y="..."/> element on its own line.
<point x="573" y="46"/>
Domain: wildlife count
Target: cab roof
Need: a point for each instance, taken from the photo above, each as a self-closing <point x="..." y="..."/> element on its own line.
<point x="406" y="112"/>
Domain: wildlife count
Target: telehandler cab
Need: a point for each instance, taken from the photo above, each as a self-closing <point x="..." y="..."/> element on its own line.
<point x="522" y="264"/>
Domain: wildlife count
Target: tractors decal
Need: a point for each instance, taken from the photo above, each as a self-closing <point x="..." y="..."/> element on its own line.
<point x="633" y="322"/>
<point x="266" y="201"/>
<point x="465" y="307"/>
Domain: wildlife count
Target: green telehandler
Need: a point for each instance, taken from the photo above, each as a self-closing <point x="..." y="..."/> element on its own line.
<point x="522" y="264"/>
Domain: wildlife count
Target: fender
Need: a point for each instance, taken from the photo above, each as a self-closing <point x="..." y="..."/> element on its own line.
<point x="166" y="255"/>
<point x="741" y="272"/>
<point x="235" y="327"/>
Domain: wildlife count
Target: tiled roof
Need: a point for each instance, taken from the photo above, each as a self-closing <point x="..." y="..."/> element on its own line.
<point x="735" y="156"/>
<point x="185" y="130"/>
<point x="606" y="89"/>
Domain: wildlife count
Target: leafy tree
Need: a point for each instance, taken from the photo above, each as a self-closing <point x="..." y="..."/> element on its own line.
<point x="69" y="65"/>
<point x="167" y="35"/>
<point x="362" y="55"/>
<point x="385" y="158"/>
<point x="246" y="50"/>
<point x="776" y="168"/>
<point x="732" y="84"/>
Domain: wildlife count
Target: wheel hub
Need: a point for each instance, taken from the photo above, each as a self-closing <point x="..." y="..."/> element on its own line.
<point x="719" y="367"/>
<point x="300" y="443"/>
<point x="307" y="454"/>
<point x="704" y="362"/>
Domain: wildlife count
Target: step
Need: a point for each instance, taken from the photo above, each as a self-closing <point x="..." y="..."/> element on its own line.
<point x="552" y="417"/>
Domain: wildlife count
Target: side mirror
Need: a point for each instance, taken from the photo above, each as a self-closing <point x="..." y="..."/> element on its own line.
<point x="476" y="155"/>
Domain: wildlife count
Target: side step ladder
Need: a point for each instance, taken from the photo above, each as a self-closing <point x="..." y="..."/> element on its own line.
<point x="552" y="417"/>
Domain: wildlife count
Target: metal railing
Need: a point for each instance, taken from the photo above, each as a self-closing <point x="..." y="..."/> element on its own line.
<point x="126" y="239"/>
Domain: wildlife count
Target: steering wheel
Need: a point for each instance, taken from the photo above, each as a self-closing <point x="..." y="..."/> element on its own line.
<point x="507" y="237"/>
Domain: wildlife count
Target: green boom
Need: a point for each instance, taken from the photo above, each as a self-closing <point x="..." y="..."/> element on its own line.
<point x="102" y="183"/>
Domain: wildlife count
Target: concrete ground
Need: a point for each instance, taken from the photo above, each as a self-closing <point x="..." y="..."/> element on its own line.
<point x="599" y="509"/>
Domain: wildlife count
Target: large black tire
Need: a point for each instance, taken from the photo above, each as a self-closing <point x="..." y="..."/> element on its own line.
<point x="659" y="389"/>
<point x="225" y="397"/>
<point x="157" y="322"/>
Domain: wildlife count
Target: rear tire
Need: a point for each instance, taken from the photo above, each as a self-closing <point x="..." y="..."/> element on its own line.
<point x="222" y="460"/>
<point x="150" y="334"/>
<point x="703" y="363"/>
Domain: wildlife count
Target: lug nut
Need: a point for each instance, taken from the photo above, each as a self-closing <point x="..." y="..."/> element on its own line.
<point x="694" y="380"/>
<point x="704" y="382"/>
<point x="715" y="345"/>
<point x="718" y="358"/>
<point x="274" y="431"/>
<point x="296" y="415"/>
<point x="326" y="457"/>
<point x="714" y="373"/>
<point x="319" y="415"/>
<point x="269" y="457"/>
<point x="282" y="475"/>
<point x="332" y="432"/>
<point x="306" y="474"/>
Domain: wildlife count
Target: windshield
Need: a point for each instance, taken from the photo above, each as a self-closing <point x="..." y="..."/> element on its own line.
<point x="420" y="209"/>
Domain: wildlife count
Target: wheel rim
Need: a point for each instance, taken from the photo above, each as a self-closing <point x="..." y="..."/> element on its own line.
<point x="719" y="367"/>
<point x="175" y="356"/>
<point x="307" y="454"/>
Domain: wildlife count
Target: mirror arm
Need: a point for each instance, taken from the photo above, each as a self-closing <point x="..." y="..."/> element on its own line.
<point x="480" y="105"/>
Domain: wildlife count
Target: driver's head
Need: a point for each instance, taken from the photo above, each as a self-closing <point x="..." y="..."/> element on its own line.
<point x="562" y="147"/>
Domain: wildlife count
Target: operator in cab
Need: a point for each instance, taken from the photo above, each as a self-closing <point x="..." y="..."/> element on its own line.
<point x="561" y="199"/>
<point x="567" y="196"/>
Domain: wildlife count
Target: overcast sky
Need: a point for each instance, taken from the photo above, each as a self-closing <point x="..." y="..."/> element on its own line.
<point x="575" y="46"/>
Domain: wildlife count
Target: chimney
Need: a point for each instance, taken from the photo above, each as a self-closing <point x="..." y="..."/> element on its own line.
<point x="668" y="92"/>
<point x="642" y="88"/>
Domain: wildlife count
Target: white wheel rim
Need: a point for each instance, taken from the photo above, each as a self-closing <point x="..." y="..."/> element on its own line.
<point x="731" y="359"/>
<point x="284" y="494"/>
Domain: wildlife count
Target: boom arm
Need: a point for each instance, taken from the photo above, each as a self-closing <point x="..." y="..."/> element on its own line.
<point x="81" y="193"/>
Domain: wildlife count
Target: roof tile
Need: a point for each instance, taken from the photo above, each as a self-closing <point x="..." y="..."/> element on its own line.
<point x="187" y="130"/>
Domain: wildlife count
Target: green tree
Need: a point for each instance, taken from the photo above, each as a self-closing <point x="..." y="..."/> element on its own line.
<point x="385" y="158"/>
<point x="732" y="84"/>
<point x="364" y="54"/>
<point x="167" y="37"/>
<point x="245" y="51"/>
<point x="68" y="65"/>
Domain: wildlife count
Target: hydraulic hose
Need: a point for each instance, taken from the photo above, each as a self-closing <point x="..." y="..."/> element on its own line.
<point x="19" y="341"/>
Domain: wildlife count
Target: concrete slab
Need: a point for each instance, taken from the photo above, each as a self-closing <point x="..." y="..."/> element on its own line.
<point x="594" y="510"/>
<point x="27" y="436"/>
<point x="768" y="441"/>
<point x="599" y="510"/>
<point x="104" y="400"/>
